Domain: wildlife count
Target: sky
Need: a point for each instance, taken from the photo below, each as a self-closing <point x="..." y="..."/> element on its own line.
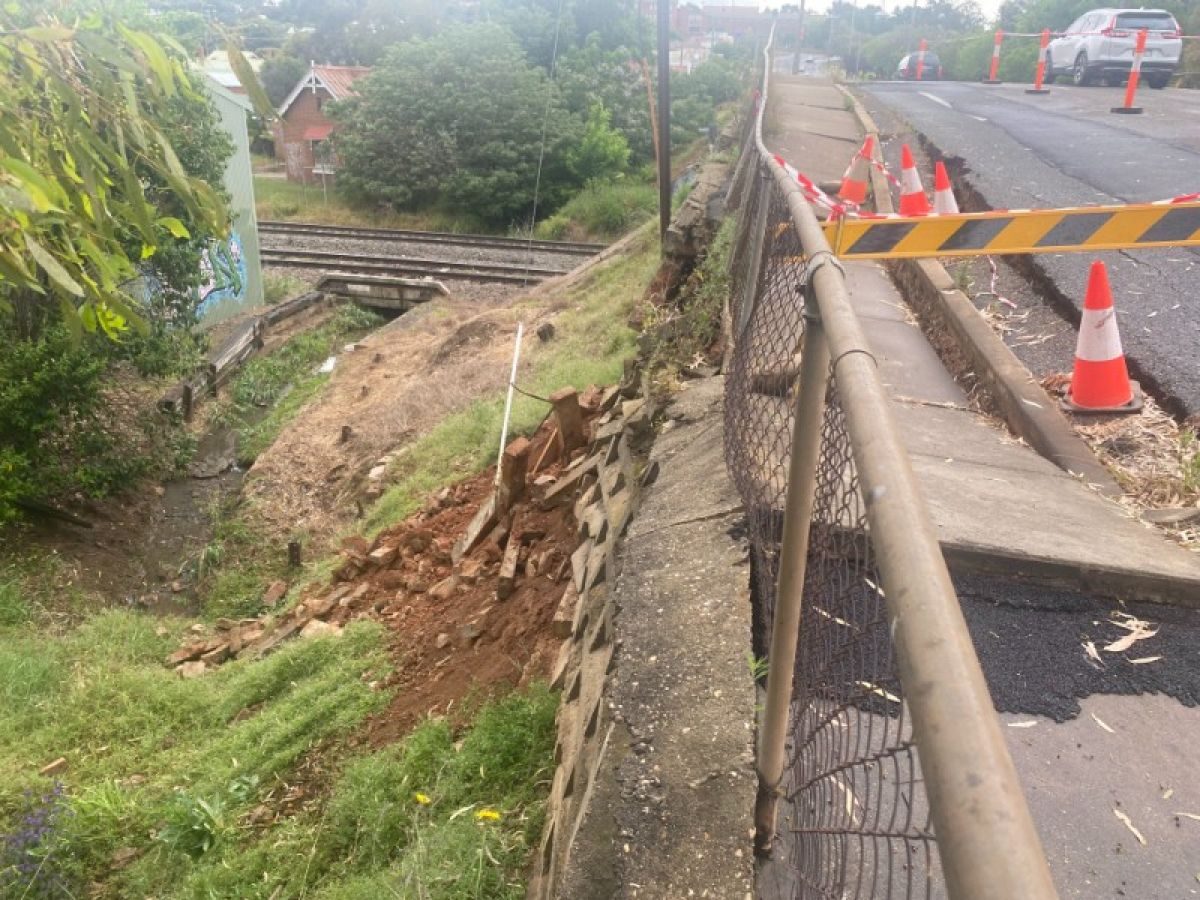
<point x="990" y="7"/>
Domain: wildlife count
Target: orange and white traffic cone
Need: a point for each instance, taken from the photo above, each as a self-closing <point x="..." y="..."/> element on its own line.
<point x="854" y="182"/>
<point x="913" y="201"/>
<point x="943" y="196"/>
<point x="1101" y="381"/>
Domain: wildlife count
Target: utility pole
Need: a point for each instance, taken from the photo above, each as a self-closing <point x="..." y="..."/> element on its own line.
<point x="799" y="40"/>
<point x="664" y="116"/>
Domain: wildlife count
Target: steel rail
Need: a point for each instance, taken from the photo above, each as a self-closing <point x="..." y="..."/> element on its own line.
<point x="321" y="256"/>
<point x="987" y="842"/>
<point x="401" y="267"/>
<point x="572" y="248"/>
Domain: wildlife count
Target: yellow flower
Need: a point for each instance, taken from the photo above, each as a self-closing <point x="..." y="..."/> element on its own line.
<point x="423" y="799"/>
<point x="487" y="815"/>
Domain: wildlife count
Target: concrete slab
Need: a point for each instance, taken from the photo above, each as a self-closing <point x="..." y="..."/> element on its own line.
<point x="908" y="366"/>
<point x="811" y="127"/>
<point x="963" y="436"/>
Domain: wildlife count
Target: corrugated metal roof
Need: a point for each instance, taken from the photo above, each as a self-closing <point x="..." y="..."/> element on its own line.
<point x="340" y="79"/>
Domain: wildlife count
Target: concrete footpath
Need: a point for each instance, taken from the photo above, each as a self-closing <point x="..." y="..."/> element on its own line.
<point x="670" y="815"/>
<point x="1001" y="508"/>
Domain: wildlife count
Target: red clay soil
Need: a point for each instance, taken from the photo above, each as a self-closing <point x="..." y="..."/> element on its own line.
<point x="469" y="644"/>
<point x="453" y="637"/>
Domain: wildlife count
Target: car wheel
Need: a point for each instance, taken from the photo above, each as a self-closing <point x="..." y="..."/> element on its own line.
<point x="1048" y="74"/>
<point x="1080" y="74"/>
<point x="1158" y="82"/>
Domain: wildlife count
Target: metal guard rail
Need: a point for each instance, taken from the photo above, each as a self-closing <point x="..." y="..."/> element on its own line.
<point x="985" y="836"/>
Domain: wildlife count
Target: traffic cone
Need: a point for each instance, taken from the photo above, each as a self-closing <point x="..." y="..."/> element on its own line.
<point x="913" y="201"/>
<point x="943" y="196"/>
<point x="854" y="182"/>
<point x="1101" y="381"/>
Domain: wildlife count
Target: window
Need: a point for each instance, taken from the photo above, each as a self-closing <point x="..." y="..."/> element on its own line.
<point x="1152" y="21"/>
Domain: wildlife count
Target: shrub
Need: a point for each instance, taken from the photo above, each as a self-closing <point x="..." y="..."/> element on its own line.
<point x="602" y="210"/>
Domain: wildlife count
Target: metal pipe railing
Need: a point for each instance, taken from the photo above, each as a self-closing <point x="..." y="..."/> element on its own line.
<point x="987" y="841"/>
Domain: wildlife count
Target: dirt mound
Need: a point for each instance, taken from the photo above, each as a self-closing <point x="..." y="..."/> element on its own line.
<point x="393" y="386"/>
<point x="460" y="627"/>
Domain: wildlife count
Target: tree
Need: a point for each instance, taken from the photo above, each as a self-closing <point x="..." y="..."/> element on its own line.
<point x="81" y="133"/>
<point x="457" y="121"/>
<point x="100" y="124"/>
<point x="592" y="74"/>
<point x="603" y="153"/>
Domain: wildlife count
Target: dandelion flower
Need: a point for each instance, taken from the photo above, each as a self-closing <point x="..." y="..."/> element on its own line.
<point x="423" y="799"/>
<point x="487" y="814"/>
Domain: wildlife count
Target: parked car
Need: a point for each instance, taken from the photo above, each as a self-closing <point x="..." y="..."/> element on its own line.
<point x="1099" y="44"/>
<point x="931" y="66"/>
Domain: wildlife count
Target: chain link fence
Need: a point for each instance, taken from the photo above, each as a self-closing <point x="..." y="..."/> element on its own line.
<point x="855" y="821"/>
<point x="854" y="818"/>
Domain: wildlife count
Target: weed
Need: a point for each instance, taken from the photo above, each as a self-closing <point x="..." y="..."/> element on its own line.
<point x="601" y="211"/>
<point x="14" y="610"/>
<point x="758" y="666"/>
<point x="1189" y="454"/>
<point x="194" y="825"/>
<point x="280" y="286"/>
<point x="28" y="866"/>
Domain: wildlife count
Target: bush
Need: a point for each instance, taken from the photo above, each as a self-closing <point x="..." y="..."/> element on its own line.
<point x="602" y="211"/>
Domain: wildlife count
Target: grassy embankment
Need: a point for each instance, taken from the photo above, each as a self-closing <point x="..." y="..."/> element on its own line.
<point x="174" y="788"/>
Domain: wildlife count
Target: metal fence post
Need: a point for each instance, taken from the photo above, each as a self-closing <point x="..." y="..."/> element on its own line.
<point x="793" y="559"/>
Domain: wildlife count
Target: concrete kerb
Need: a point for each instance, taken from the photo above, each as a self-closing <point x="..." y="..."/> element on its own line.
<point x="1026" y="407"/>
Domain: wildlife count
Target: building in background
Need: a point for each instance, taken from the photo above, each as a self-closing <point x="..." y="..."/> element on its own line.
<point x="303" y="128"/>
<point x="233" y="266"/>
<point x="217" y="67"/>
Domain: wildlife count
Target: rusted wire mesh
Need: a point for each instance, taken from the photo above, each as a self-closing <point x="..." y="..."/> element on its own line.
<point x="855" y="820"/>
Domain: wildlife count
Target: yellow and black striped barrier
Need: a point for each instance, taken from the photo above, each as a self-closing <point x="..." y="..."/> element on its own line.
<point x="1018" y="231"/>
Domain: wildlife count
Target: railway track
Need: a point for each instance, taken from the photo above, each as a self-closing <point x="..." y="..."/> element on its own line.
<point x="568" y="248"/>
<point x="356" y="263"/>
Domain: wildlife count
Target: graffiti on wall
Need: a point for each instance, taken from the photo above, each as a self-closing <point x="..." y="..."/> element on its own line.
<point x="223" y="273"/>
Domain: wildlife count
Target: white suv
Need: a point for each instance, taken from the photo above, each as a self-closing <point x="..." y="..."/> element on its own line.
<point x="1100" y="43"/>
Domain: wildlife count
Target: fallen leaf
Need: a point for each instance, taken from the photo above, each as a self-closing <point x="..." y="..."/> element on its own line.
<point x="1102" y="724"/>
<point x="1028" y="724"/>
<point x="1129" y="824"/>
<point x="1138" y="631"/>
<point x="875" y="689"/>
<point x="1168" y="793"/>
<point x="1141" y="661"/>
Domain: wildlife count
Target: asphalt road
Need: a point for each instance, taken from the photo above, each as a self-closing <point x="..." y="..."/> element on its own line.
<point x="1067" y="149"/>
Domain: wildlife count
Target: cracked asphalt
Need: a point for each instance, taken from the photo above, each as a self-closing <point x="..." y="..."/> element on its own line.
<point x="1066" y="149"/>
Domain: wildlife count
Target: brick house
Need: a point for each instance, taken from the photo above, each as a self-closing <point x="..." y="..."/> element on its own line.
<point x="302" y="129"/>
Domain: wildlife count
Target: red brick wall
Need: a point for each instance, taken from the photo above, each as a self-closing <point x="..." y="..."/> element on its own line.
<point x="290" y="146"/>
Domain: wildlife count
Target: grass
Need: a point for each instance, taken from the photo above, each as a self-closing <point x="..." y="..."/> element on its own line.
<point x="271" y="381"/>
<point x="280" y="200"/>
<point x="280" y="286"/>
<point x="165" y="779"/>
<point x="593" y="340"/>
<point x="602" y="211"/>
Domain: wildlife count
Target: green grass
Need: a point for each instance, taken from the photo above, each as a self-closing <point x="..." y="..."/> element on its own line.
<point x="280" y="286"/>
<point x="602" y="211"/>
<point x="290" y="370"/>
<point x="592" y="342"/>
<point x="280" y="200"/>
<point x="160" y="739"/>
<point x="170" y="770"/>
